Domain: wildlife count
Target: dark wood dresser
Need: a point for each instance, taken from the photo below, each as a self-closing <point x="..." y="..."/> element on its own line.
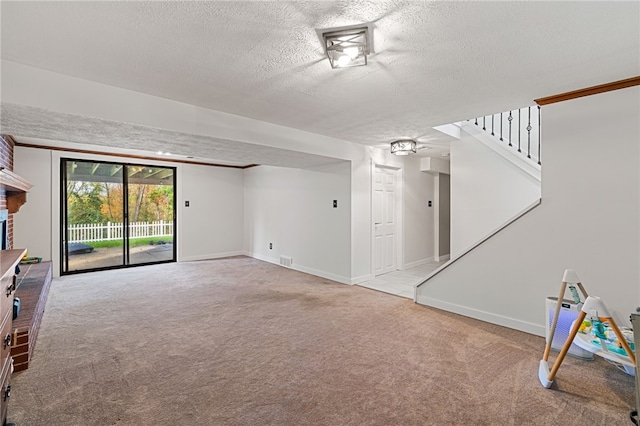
<point x="8" y="261"/>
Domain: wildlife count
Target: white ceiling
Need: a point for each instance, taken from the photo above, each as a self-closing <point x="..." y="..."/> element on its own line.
<point x="433" y="63"/>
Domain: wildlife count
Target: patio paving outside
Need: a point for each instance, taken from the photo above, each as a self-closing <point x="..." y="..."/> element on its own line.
<point x="105" y="257"/>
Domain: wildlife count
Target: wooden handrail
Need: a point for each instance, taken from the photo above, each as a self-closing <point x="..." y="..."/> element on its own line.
<point x="594" y="90"/>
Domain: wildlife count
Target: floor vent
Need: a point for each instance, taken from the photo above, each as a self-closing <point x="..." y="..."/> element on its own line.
<point x="286" y="261"/>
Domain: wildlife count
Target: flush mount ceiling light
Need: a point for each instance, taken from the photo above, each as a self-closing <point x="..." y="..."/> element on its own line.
<point x="403" y="147"/>
<point x="347" y="47"/>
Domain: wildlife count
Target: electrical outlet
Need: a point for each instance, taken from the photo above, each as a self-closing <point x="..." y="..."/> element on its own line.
<point x="186" y="204"/>
<point x="270" y="246"/>
<point x="335" y="204"/>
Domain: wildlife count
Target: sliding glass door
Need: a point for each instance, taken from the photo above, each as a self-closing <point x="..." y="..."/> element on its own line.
<point x="151" y="214"/>
<point x="116" y="215"/>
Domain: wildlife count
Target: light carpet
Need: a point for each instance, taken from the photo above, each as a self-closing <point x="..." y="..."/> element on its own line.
<point x="238" y="341"/>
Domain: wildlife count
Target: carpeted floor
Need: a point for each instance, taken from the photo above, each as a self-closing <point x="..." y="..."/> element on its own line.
<point x="242" y="342"/>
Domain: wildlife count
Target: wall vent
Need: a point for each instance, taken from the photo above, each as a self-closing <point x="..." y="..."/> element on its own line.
<point x="286" y="261"/>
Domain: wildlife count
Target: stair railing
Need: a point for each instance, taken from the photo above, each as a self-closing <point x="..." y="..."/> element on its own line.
<point x="523" y="135"/>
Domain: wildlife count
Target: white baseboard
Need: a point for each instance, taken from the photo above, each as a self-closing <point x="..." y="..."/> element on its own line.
<point x="323" y="274"/>
<point x="269" y="259"/>
<point x="210" y="256"/>
<point x="508" y="322"/>
<point x="362" y="279"/>
<point x="443" y="258"/>
<point x="417" y="263"/>
<point x="306" y="270"/>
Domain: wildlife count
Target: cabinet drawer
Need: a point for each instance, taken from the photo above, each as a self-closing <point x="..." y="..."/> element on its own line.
<point x="7" y="288"/>
<point x="5" y="339"/>
<point x="5" y="391"/>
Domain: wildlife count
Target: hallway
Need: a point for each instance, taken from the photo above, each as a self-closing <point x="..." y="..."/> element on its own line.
<point x="402" y="283"/>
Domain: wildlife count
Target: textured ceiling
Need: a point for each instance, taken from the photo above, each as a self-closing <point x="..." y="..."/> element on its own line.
<point x="434" y="62"/>
<point x="43" y="126"/>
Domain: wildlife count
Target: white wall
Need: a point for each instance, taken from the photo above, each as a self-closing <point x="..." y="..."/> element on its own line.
<point x="212" y="192"/>
<point x="486" y="191"/>
<point x="419" y="218"/>
<point x="32" y="225"/>
<point x="219" y="193"/>
<point x="588" y="221"/>
<point x="280" y="205"/>
<point x="212" y="226"/>
<point x="417" y="241"/>
<point x="293" y="210"/>
<point x="30" y="86"/>
<point x="436" y="165"/>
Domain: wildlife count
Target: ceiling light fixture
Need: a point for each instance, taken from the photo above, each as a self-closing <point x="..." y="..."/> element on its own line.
<point x="403" y="147"/>
<point x="347" y="47"/>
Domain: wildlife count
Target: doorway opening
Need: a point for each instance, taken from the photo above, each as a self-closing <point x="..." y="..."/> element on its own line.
<point x="115" y="215"/>
<point x="442" y="216"/>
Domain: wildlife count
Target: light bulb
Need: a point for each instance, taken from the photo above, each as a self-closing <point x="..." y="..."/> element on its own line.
<point x="352" y="52"/>
<point x="344" y="60"/>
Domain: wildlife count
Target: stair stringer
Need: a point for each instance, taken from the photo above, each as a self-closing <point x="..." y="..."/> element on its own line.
<point x="498" y="262"/>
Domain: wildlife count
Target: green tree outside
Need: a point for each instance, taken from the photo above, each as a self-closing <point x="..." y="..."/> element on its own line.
<point x="85" y="203"/>
<point x="98" y="202"/>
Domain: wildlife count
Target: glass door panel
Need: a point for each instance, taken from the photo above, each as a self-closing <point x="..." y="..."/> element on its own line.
<point x="151" y="214"/>
<point x="116" y="215"/>
<point x="93" y="229"/>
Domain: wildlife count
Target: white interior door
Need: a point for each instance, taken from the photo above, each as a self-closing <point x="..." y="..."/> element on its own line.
<point x="384" y="219"/>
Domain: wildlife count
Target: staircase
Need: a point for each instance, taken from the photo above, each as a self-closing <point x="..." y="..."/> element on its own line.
<point x="489" y="191"/>
<point x="506" y="279"/>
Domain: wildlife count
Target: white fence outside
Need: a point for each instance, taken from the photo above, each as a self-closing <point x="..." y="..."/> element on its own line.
<point x="79" y="233"/>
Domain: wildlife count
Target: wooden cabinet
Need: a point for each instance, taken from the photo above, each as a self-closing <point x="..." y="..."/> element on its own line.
<point x="8" y="261"/>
